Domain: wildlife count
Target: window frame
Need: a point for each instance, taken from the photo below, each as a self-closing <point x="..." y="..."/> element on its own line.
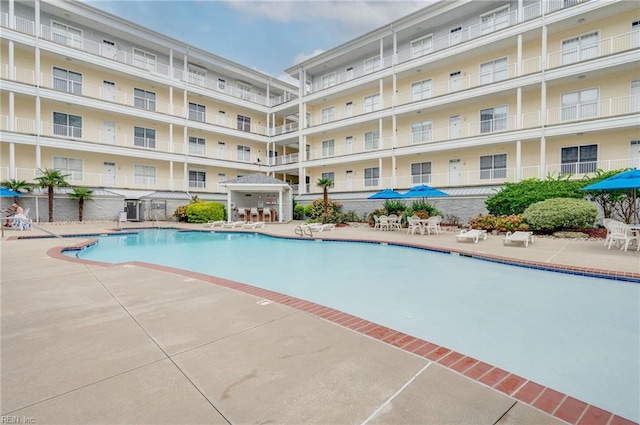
<point x="197" y="145"/>
<point x="243" y="123"/>
<point x="424" y="92"/>
<point x="416" y="53"/>
<point x="328" y="114"/>
<point x="580" y="165"/>
<point x="74" y="173"/>
<point x="421" y="175"/>
<point x="372" y="64"/>
<point x="371" y="176"/>
<point x="423" y="135"/>
<point x="147" y="140"/>
<point x="494" y="74"/>
<point x="142" y="175"/>
<point x="372" y="103"/>
<point x="497" y="122"/>
<point x="372" y="140"/>
<point x="243" y="153"/>
<point x="70" y="85"/>
<point x="68" y="129"/>
<point x="328" y="148"/>
<point x="582" y="109"/>
<point x="144" y="99"/>
<point x="199" y="180"/>
<point x="495" y="169"/>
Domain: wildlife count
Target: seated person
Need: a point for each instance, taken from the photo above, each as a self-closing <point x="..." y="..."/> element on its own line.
<point x="12" y="211"/>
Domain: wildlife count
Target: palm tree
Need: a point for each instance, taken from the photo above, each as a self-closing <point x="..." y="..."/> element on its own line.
<point x="81" y="194"/>
<point x="325" y="184"/>
<point x="51" y="179"/>
<point x="19" y="186"/>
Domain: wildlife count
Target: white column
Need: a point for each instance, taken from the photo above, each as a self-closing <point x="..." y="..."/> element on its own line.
<point x="519" y="56"/>
<point x="280" y="206"/>
<point x="12" y="160"/>
<point x="394" y="182"/>
<point x="185" y="176"/>
<point x="12" y="65"/>
<point x="12" y="19"/>
<point x="543" y="154"/>
<point x="171" y="175"/>
<point x="518" y="160"/>
<point x="380" y="180"/>
<point x="12" y="112"/>
<point x="380" y="133"/>
<point x="170" y="137"/>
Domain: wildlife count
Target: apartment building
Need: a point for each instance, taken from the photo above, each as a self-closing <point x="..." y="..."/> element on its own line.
<point x="461" y="95"/>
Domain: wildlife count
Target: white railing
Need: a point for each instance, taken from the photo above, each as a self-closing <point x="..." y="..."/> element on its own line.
<point x="343" y="112"/>
<point x="593" y="110"/>
<point x="283" y="129"/>
<point x="283" y="159"/>
<point x="608" y="46"/>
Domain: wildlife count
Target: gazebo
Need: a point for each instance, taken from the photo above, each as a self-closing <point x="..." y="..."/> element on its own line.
<point x="259" y="192"/>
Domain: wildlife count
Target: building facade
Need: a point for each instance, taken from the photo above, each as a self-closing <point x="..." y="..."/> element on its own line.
<point x="461" y="95"/>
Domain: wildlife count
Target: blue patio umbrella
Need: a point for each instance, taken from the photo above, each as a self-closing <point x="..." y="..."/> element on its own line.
<point x="625" y="180"/>
<point x="4" y="193"/>
<point x="386" y="194"/>
<point x="424" y="191"/>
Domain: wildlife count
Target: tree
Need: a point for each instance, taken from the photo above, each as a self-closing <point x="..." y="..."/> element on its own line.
<point x="51" y="179"/>
<point x="81" y="194"/>
<point x="19" y="186"/>
<point x="325" y="184"/>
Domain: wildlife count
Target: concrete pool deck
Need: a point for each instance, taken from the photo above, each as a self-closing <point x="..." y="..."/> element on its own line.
<point x="81" y="344"/>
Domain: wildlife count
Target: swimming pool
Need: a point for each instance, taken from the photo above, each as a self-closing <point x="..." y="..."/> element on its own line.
<point x="578" y="335"/>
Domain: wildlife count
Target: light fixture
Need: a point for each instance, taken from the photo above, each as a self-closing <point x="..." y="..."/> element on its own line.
<point x="581" y="77"/>
<point x="579" y="134"/>
<point x="581" y="20"/>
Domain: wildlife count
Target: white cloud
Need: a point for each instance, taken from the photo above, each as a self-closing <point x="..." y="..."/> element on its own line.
<point x="301" y="57"/>
<point x="354" y="16"/>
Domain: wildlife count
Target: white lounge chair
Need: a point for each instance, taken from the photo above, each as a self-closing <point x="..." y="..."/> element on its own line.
<point x="472" y="234"/>
<point x="621" y="233"/>
<point x="253" y="225"/>
<point x="21" y="222"/>
<point x="232" y="224"/>
<point x="214" y="223"/>
<point x="518" y="236"/>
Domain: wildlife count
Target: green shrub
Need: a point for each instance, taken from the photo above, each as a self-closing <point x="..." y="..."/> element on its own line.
<point x="203" y="212"/>
<point x="514" y="198"/>
<point x="503" y="223"/>
<point x="560" y="214"/>
<point x="421" y="207"/>
<point x="298" y="212"/>
<point x="307" y="210"/>
<point x="180" y="213"/>
<point x="316" y="209"/>
<point x="394" y="206"/>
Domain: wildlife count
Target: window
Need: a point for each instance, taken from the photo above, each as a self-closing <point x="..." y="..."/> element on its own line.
<point x="222" y="84"/>
<point x="143" y="99"/>
<point x="197" y="112"/>
<point x="328" y="114"/>
<point x="196" y="145"/>
<point x="328" y="80"/>
<point x="67" y="125"/>
<point x="197" y="179"/>
<point x="371" y="140"/>
<point x="331" y="176"/>
<point x="579" y="105"/>
<point x="328" y="147"/>
<point x="421" y="132"/>
<point x="493" y="119"/>
<point x="244" y="153"/>
<point x="144" y="59"/>
<point x="67" y="81"/>
<point x="494" y="20"/>
<point x="197" y="75"/>
<point x="67" y="35"/>
<point x="492" y="71"/>
<point x="372" y="103"/>
<point x="579" y="159"/>
<point x="70" y="166"/>
<point x="144" y="175"/>
<point x="144" y="137"/>
<point x="421" y="90"/>
<point x="580" y="48"/>
<point x="372" y="65"/>
<point x="493" y="166"/>
<point x="421" y="172"/>
<point x="371" y="176"/>
<point x="422" y="46"/>
<point x="244" y="123"/>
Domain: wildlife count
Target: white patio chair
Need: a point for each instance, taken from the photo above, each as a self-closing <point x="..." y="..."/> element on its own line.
<point x="266" y="213"/>
<point x="433" y="225"/>
<point x="623" y="234"/>
<point x="414" y="224"/>
<point x="384" y="222"/>
<point x="255" y="213"/>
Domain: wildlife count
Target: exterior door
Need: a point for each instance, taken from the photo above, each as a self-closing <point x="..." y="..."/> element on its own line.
<point x="108" y="90"/>
<point x="349" y="144"/>
<point x="349" y="109"/>
<point x="109" y="174"/>
<point x="221" y="150"/>
<point x="454" y="127"/>
<point x="108" y="132"/>
<point x="455" y="36"/>
<point x="349" y="179"/>
<point x="131" y="207"/>
<point x="455" y="81"/>
<point x="454" y="171"/>
<point x="109" y="49"/>
<point x="635" y="96"/>
<point x="634" y="154"/>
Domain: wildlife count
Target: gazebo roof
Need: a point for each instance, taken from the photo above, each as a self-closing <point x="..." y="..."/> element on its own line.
<point x="254" y="179"/>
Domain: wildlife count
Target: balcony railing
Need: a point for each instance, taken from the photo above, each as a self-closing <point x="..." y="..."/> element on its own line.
<point x="479" y="29"/>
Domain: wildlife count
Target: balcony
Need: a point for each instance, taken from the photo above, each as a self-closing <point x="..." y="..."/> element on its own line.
<point x="106" y="51"/>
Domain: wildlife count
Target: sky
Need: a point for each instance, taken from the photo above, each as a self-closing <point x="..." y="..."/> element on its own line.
<point x="265" y="35"/>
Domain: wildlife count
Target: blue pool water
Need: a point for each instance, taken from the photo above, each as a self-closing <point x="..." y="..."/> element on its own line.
<point x="578" y="335"/>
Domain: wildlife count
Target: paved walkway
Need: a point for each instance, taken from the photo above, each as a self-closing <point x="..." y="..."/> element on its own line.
<point x="88" y="344"/>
